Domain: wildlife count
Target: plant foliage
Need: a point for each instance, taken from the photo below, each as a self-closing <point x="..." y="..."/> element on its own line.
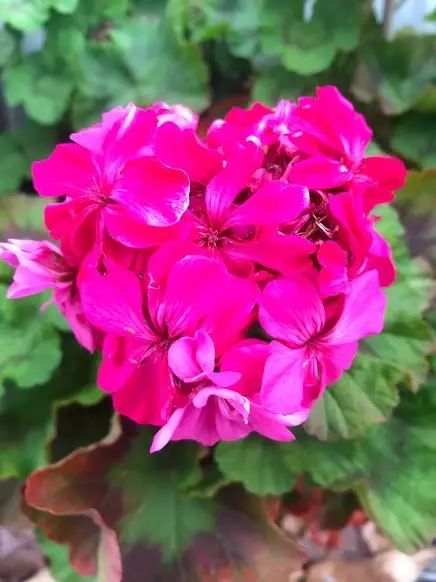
<point x="91" y="484"/>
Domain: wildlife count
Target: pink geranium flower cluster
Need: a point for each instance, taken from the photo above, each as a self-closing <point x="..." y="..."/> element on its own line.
<point x="226" y="281"/>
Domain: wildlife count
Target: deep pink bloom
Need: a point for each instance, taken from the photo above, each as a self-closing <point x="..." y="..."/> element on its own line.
<point x="333" y="277"/>
<point x="228" y="222"/>
<point x="331" y="138"/>
<point x="119" y="184"/>
<point x="220" y="406"/>
<point x="39" y="266"/>
<point x="196" y="294"/>
<point x="313" y="342"/>
<point x="180" y="115"/>
<point x="366" y="249"/>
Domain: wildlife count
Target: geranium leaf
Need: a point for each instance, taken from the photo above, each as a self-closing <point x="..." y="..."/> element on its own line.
<point x="117" y="487"/>
<point x="260" y="464"/>
<point x="29" y="345"/>
<point x="29" y="423"/>
<point x="161" y="67"/>
<point x="309" y="45"/>
<point x="363" y="396"/>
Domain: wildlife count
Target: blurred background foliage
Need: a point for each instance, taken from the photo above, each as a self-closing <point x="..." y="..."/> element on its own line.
<point x="63" y="62"/>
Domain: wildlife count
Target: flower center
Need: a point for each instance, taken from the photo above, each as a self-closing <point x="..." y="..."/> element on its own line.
<point x="316" y="222"/>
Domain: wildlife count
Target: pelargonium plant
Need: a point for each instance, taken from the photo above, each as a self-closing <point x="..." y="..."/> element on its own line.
<point x="226" y="281"/>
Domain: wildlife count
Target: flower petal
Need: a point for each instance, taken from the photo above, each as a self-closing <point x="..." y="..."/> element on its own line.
<point x="144" y="396"/>
<point x="69" y="171"/>
<point x="113" y="302"/>
<point x="319" y="172"/>
<point x="191" y="358"/>
<point x="181" y="148"/>
<point x="277" y="202"/>
<point x="227" y="184"/>
<point x="283" y="381"/>
<point x="291" y="310"/>
<point x="363" y="311"/>
<point x="152" y="193"/>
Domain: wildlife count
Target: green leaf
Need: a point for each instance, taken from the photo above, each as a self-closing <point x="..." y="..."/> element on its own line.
<point x="406" y="338"/>
<point x="276" y="83"/>
<point x="28" y="423"/>
<point x="259" y="464"/>
<point x="309" y="46"/>
<point x="25" y="15"/>
<point x="168" y="519"/>
<point x="29" y="346"/>
<point x="65" y="6"/>
<point x="414" y="138"/>
<point x="162" y="68"/>
<point x="44" y="94"/>
<point x="363" y="396"/>
<point x="7" y="45"/>
<point x="59" y="563"/>
<point x="21" y="216"/>
<point x="122" y="510"/>
<point x="12" y="164"/>
<point x="390" y="468"/>
<point x="395" y="73"/>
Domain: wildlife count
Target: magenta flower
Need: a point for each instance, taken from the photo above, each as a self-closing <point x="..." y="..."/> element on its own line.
<point x="228" y="222"/>
<point x="196" y="294"/>
<point x="39" y="266"/>
<point x="313" y="342"/>
<point x="119" y="184"/>
<point x="331" y="139"/>
<point x="220" y="406"/>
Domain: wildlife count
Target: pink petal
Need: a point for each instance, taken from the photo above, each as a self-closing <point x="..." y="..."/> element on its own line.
<point x="286" y="254"/>
<point x="116" y="367"/>
<point x="75" y="223"/>
<point x="333" y="281"/>
<point x="200" y="289"/>
<point x="70" y="306"/>
<point x="153" y="193"/>
<point x="273" y="426"/>
<point x="181" y="148"/>
<point x="277" y="202"/>
<point x="131" y="135"/>
<point x="207" y="420"/>
<point x="227" y="184"/>
<point x="319" y="172"/>
<point x="190" y="358"/>
<point x="336" y="359"/>
<point x="386" y="170"/>
<point x="380" y="259"/>
<point x="113" y="302"/>
<point x="69" y="171"/>
<point x="291" y="310"/>
<point x="144" y="397"/>
<point x="283" y="381"/>
<point x="247" y="357"/>
<point x="330" y="254"/>
<point x="363" y="311"/>
<point x="135" y="234"/>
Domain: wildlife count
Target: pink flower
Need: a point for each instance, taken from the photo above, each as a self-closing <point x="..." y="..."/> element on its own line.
<point x="220" y="406"/>
<point x="196" y="294"/>
<point x="39" y="266"/>
<point x="366" y="249"/>
<point x="228" y="222"/>
<point x="181" y="115"/>
<point x="313" y="342"/>
<point x="120" y="184"/>
<point x="331" y="139"/>
<point x="333" y="277"/>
